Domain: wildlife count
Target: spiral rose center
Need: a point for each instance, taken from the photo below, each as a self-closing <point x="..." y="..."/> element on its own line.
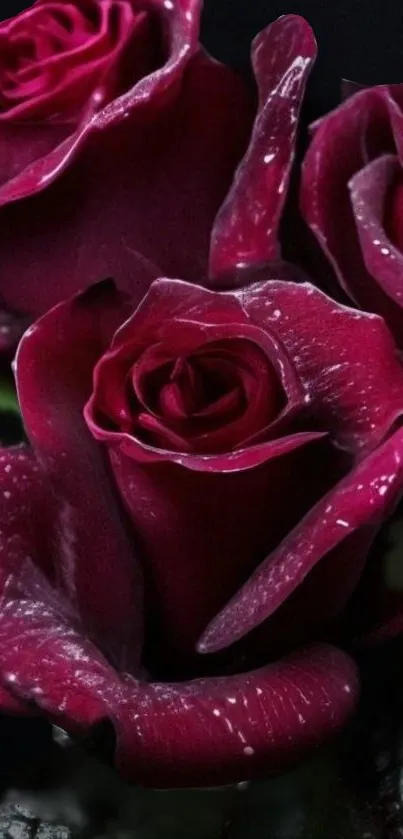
<point x="212" y="399"/>
<point x="55" y="55"/>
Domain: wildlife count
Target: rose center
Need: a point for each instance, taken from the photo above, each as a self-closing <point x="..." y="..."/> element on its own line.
<point x="54" y="56"/>
<point x="212" y="399"/>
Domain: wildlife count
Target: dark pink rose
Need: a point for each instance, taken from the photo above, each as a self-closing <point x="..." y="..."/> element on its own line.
<point x="119" y="145"/>
<point x="352" y="197"/>
<point x="181" y="543"/>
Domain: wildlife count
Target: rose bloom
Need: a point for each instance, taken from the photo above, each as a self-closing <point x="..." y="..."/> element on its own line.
<point x="181" y="542"/>
<point x="119" y="136"/>
<point x="352" y="197"/>
<point x="185" y="543"/>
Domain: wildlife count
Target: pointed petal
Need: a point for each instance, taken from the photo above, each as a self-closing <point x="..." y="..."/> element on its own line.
<point x="246" y="228"/>
<point x="363" y="499"/>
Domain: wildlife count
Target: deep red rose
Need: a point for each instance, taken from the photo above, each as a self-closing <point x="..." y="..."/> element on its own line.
<point x="117" y="155"/>
<point x="352" y="197"/>
<point x="254" y="440"/>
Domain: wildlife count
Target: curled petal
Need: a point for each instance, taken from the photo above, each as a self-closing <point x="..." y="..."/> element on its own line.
<point x="246" y="228"/>
<point x="366" y="126"/>
<point x="95" y="562"/>
<point x="185" y="734"/>
<point x="369" y="191"/>
<point x="182" y="21"/>
<point x="363" y="499"/>
<point x="205" y="731"/>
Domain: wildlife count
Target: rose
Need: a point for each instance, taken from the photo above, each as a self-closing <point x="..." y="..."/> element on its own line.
<point x="352" y="197"/>
<point x="103" y="111"/>
<point x="128" y="180"/>
<point x="254" y="438"/>
<point x="57" y="56"/>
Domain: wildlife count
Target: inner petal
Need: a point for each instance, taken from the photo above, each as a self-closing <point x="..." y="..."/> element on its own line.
<point x="212" y="399"/>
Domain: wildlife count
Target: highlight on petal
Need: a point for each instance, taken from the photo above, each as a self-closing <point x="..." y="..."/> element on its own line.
<point x="96" y="562"/>
<point x="346" y="359"/>
<point x="12" y="705"/>
<point x="362" y="499"/>
<point x="344" y="148"/>
<point x="181" y="19"/>
<point x="246" y="228"/>
<point x="201" y="732"/>
<point x="370" y="192"/>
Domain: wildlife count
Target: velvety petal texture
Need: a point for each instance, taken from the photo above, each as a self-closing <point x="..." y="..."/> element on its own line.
<point x="351" y="187"/>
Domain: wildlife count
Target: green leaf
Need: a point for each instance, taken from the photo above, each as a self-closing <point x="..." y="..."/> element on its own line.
<point x="8" y="396"/>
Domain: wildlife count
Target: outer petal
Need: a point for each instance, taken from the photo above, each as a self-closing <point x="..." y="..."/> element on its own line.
<point x="95" y="559"/>
<point x="190" y="506"/>
<point x="145" y="175"/>
<point x="246" y="228"/>
<point x="367" y="125"/>
<point x="346" y="359"/>
<point x="202" y="732"/>
<point x="369" y="190"/>
<point x="361" y="500"/>
<point x="202" y="538"/>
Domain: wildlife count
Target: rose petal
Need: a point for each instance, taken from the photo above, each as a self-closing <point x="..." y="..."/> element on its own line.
<point x="96" y="562"/>
<point x="160" y="158"/>
<point x="360" y="500"/>
<point x="346" y="360"/>
<point x="367" y="125"/>
<point x="246" y="228"/>
<point x="201" y="732"/>
<point x="369" y="191"/>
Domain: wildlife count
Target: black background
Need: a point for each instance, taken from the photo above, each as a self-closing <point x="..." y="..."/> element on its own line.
<point x="358" y="39"/>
